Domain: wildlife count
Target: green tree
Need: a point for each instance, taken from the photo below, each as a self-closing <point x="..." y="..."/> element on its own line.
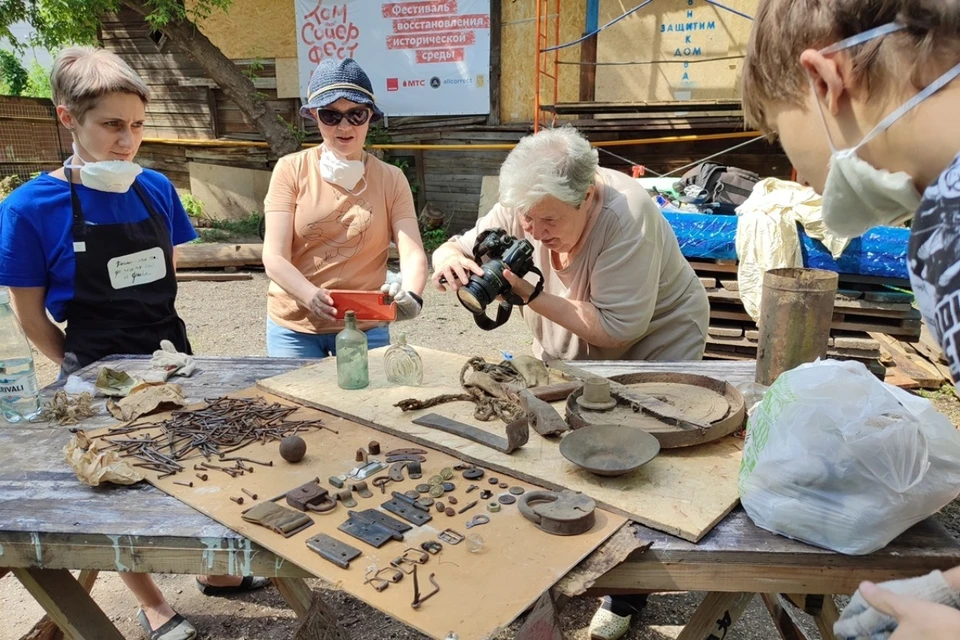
<point x="60" y="22"/>
<point x="13" y="77"/>
<point x="38" y="82"/>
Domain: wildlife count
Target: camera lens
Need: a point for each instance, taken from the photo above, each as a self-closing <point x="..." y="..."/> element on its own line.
<point x="469" y="300"/>
<point x="481" y="290"/>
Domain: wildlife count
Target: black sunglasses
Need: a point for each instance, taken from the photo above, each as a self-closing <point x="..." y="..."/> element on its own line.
<point x="332" y="117"/>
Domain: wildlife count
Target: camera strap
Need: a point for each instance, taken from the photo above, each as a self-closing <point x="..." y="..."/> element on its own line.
<point x="505" y="308"/>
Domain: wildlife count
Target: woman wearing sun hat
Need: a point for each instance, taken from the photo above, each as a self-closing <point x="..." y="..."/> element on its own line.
<point x="331" y="212"/>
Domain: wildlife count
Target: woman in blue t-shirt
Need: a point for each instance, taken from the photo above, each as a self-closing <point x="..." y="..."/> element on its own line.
<point x="93" y="244"/>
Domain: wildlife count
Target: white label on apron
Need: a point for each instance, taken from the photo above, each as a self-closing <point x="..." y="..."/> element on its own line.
<point x="142" y="267"/>
<point x="79" y="247"/>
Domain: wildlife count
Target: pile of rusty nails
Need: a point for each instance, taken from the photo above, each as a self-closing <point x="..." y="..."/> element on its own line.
<point x="224" y="426"/>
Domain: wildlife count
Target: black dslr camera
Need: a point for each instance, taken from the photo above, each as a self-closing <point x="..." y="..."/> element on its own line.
<point x="495" y="252"/>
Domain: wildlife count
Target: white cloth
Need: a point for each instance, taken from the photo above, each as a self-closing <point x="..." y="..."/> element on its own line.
<point x="172" y="361"/>
<point x="767" y="235"/>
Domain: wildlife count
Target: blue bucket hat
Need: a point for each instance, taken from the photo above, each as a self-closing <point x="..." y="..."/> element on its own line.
<point x="332" y="80"/>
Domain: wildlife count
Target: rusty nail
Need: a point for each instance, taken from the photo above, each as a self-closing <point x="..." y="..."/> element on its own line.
<point x="165" y="475"/>
<point x="183" y="484"/>
<point x="468" y="507"/>
<point x="198" y="467"/>
<point x="252" y="495"/>
<point x="237" y="500"/>
<point x="202" y="476"/>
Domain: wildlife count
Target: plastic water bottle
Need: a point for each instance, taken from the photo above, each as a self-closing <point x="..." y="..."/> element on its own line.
<point x="19" y="395"/>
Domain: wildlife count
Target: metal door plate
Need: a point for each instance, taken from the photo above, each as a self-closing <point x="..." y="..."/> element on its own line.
<point x="407" y="511"/>
<point x="333" y="550"/>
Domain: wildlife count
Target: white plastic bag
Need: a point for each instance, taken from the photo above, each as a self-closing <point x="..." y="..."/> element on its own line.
<point x="838" y="459"/>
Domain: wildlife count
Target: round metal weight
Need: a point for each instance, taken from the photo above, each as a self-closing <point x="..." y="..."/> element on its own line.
<point x="517" y="491"/>
<point x="423" y="488"/>
<point x="506" y="499"/>
<point x="473" y="474"/>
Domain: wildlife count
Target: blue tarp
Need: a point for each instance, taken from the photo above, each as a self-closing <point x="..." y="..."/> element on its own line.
<point x="882" y="251"/>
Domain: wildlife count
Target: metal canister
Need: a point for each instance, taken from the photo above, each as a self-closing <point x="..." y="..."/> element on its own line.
<point x="796" y="310"/>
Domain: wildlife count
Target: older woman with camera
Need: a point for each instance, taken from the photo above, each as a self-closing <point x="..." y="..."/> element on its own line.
<point x="615" y="286"/>
<point x="614" y="283"/>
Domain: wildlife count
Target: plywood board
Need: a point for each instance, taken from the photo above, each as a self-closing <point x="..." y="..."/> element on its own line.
<point x="681" y="492"/>
<point x="679" y="44"/>
<point x="474" y="600"/>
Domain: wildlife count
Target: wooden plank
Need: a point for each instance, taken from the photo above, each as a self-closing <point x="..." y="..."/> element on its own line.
<point x="624" y="543"/>
<point x="709" y="283"/>
<point x="782" y="620"/>
<point x="716" y="615"/>
<point x="685" y="491"/>
<point x="212" y="277"/>
<point x="508" y="537"/>
<point x="46" y="628"/>
<point x="859" y="307"/>
<point x="827" y="617"/>
<point x="296" y="593"/>
<point x="724" y="332"/>
<point x="68" y="604"/>
<point x="908" y="365"/>
<point x="730" y="285"/>
<point x="206" y="256"/>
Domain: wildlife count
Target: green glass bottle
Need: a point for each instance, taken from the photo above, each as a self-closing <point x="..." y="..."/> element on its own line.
<point x="352" y="366"/>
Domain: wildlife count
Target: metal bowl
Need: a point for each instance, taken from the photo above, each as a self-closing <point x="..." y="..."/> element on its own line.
<point x="609" y="450"/>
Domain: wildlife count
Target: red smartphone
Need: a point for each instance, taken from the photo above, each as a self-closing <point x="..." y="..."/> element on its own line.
<point x="368" y="305"/>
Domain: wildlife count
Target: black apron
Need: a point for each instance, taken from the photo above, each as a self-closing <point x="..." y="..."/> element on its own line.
<point x="110" y="313"/>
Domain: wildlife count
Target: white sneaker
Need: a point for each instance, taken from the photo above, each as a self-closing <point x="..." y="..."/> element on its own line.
<point x="606" y="625"/>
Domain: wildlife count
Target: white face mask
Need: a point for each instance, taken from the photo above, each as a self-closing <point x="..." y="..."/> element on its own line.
<point x="112" y="176"/>
<point x="858" y="196"/>
<point x="341" y="172"/>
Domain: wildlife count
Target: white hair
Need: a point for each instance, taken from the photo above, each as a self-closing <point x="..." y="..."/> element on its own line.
<point x="554" y="162"/>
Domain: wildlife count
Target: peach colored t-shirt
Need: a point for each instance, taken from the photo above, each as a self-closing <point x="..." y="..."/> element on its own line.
<point x="340" y="240"/>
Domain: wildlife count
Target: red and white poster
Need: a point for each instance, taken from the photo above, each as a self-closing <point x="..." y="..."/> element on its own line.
<point x="424" y="57"/>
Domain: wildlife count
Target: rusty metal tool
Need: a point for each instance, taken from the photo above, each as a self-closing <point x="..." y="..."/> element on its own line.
<point x="564" y="513"/>
<point x="418" y="598"/>
<point x="468" y="507"/>
<point x="406" y="457"/>
<point x="382" y="482"/>
<point x="407" y="451"/>
<point x="518" y="432"/>
<point x="639" y="402"/>
<point x="396" y="470"/>
<point x="542" y="416"/>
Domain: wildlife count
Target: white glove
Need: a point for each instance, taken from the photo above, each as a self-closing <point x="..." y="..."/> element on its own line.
<point x="860" y="621"/>
<point x="172" y="361"/>
<point x="408" y="305"/>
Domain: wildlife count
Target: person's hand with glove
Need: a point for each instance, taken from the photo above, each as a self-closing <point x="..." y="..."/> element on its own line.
<point x="862" y="619"/>
<point x="409" y="304"/>
<point x="172" y="361"/>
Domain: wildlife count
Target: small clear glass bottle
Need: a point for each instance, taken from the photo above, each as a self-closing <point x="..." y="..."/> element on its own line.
<point x="402" y="364"/>
<point x="19" y="395"/>
<point x="352" y="365"/>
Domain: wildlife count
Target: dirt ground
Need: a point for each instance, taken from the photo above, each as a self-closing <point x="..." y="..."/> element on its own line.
<point x="228" y="319"/>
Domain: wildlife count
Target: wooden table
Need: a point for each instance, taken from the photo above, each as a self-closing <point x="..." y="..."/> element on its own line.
<point x="50" y="524"/>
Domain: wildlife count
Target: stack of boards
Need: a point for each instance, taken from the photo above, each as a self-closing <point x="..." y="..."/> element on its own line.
<point x="873" y="323"/>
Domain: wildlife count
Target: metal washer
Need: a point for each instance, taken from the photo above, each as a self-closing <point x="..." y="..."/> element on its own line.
<point x="517" y="491"/>
<point x="473" y="474"/>
<point x="506" y="499"/>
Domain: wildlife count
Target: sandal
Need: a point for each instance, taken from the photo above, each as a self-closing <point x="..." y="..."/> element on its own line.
<point x="249" y="583"/>
<point x="176" y="628"/>
<point x="606" y="625"/>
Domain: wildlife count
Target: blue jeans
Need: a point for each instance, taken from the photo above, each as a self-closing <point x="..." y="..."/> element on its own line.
<point x="287" y="343"/>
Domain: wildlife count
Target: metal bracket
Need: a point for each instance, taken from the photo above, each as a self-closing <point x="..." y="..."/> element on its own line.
<point x="371" y="467"/>
<point x="373" y="527"/>
<point x="419" y="599"/>
<point x="333" y="550"/>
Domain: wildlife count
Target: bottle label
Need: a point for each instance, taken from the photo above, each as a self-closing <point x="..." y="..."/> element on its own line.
<point x="22" y="386"/>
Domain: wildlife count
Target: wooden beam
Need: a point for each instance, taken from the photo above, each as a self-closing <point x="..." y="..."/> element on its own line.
<point x="496" y="35"/>
<point x="68" y="604"/>
<point x="46" y="628"/>
<point x="828" y="616"/>
<point x="785" y="625"/>
<point x="212" y="277"/>
<point x="588" y="70"/>
<point x="297" y="594"/>
<point x="715" y="616"/>
<point x="421" y="178"/>
<point x="207" y="256"/>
